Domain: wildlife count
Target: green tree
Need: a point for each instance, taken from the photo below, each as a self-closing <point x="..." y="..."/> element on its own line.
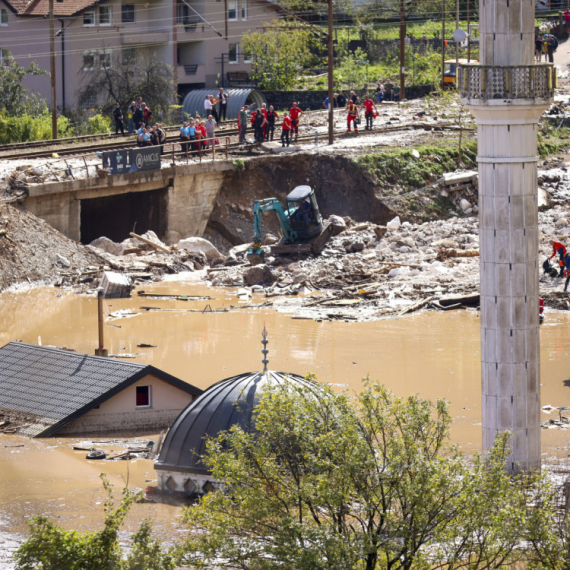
<point x="279" y="54"/>
<point x="124" y="77"/>
<point x="325" y="483"/>
<point x="14" y="98"/>
<point x="50" y="547"/>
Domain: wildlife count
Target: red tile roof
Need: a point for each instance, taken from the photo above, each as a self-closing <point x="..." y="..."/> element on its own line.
<point x="41" y="7"/>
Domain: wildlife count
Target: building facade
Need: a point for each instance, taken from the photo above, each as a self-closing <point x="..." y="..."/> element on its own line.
<point x="200" y="39"/>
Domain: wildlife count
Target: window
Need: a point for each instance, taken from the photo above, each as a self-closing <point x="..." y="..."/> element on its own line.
<point x="128" y="13"/>
<point x="89" y="18"/>
<point x="143" y="397"/>
<point x="233" y="53"/>
<point x="105" y="15"/>
<point x="89" y="60"/>
<point x="182" y="12"/>
<point x="105" y="59"/>
<point x="244" y="9"/>
<point x="88" y="101"/>
<point x="129" y="56"/>
<point x="232" y="9"/>
<point x="3" y="17"/>
<point x="4" y="53"/>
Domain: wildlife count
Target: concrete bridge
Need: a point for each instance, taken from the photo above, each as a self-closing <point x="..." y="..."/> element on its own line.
<point x="174" y="202"/>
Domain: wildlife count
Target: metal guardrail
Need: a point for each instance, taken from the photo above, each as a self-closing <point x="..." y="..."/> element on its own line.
<point x="487" y="82"/>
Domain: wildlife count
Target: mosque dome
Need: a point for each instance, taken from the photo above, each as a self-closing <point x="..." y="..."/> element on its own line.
<point x="225" y="404"/>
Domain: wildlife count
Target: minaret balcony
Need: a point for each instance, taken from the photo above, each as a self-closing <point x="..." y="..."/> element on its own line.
<point x="489" y="84"/>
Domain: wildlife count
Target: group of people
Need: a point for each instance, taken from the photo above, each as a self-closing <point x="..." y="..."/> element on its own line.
<point x="138" y="115"/>
<point x="147" y="136"/>
<point x="264" y="121"/>
<point x="196" y="134"/>
<point x="545" y="45"/>
<point x="217" y="106"/>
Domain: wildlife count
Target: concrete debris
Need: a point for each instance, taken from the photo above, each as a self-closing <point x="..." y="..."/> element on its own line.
<point x="200" y="245"/>
<point x="394" y="225"/>
<point x="108" y="246"/>
<point x="115" y="285"/>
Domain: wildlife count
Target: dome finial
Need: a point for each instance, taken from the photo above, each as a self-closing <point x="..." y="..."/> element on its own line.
<point x="265" y="351"/>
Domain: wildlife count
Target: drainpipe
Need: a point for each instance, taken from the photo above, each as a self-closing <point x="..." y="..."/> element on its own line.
<point x="101" y="351"/>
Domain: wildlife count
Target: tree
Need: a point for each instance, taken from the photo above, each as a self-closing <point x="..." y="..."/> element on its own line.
<point x="327" y="483"/>
<point x="50" y="547"/>
<point x="123" y="79"/>
<point x="14" y="98"/>
<point x="279" y="53"/>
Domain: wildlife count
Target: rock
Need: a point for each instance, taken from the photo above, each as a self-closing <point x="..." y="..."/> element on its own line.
<point x="270" y="239"/>
<point x="239" y="250"/>
<point x="415" y="153"/>
<point x="397" y="271"/>
<point x="464" y="204"/>
<point x="444" y="193"/>
<point x="394" y="225"/>
<point x="380" y="231"/>
<point x="201" y="245"/>
<point x="105" y="244"/>
<point x="258" y="274"/>
<point x="62" y="260"/>
<point x="338" y="224"/>
<point x="217" y="261"/>
<point x="357" y="246"/>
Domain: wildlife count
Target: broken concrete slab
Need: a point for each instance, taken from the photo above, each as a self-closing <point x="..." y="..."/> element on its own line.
<point x="451" y="178"/>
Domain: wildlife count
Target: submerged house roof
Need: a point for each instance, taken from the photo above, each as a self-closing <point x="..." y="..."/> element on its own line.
<point x="58" y="386"/>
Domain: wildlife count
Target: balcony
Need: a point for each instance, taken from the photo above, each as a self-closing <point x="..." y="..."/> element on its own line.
<point x="149" y="36"/>
<point x="487" y="83"/>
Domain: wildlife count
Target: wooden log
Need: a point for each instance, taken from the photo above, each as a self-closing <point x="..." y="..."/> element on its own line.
<point x="460" y="252"/>
<point x="415" y="306"/>
<point x="151" y="243"/>
<point x="472" y="299"/>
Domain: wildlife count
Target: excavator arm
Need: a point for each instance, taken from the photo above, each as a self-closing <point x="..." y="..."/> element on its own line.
<point x="255" y="254"/>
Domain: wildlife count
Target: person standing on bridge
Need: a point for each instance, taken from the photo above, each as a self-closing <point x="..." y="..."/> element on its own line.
<point x="285" y="129"/>
<point x="242" y="123"/>
<point x="223" y="104"/>
<point x="131" y="117"/>
<point x="210" y="125"/>
<point x="118" y="114"/>
<point x="295" y="113"/>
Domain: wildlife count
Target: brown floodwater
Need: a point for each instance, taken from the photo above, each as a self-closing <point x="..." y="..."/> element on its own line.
<point x="433" y="354"/>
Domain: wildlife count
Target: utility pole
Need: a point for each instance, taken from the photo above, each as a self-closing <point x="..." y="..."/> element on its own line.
<point x="52" y="72"/>
<point x="456" y="43"/>
<point x="442" y="42"/>
<point x="402" y="50"/>
<point x="469" y="30"/>
<point x="330" y="70"/>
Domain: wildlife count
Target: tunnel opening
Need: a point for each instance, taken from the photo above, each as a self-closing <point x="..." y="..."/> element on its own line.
<point x="116" y="216"/>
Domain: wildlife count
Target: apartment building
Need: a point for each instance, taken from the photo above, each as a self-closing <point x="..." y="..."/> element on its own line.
<point x="200" y="39"/>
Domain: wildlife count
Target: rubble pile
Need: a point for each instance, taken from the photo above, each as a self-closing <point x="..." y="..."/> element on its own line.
<point x="375" y="269"/>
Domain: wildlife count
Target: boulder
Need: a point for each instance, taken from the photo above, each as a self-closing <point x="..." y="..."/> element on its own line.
<point x="394" y="225"/>
<point x="105" y="244"/>
<point x="338" y="224"/>
<point x="270" y="239"/>
<point x="258" y="274"/>
<point x="201" y="245"/>
<point x="464" y="204"/>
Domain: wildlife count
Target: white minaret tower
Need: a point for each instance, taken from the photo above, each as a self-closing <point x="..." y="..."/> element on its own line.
<point x="507" y="92"/>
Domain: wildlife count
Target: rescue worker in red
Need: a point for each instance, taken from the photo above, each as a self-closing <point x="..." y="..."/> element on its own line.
<point x="352" y="115"/>
<point x="285" y="130"/>
<point x="294" y="114"/>
<point x="369" y="113"/>
<point x="558" y="249"/>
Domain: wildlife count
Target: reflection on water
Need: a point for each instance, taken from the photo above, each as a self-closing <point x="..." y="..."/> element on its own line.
<point x="433" y="354"/>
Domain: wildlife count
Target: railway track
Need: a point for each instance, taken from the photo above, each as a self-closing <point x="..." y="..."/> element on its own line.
<point x="76" y="150"/>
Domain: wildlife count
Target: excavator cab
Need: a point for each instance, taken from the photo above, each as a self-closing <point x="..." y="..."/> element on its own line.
<point x="303" y="213"/>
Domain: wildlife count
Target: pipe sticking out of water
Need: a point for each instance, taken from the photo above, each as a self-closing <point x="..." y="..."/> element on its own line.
<point x="101" y="351"/>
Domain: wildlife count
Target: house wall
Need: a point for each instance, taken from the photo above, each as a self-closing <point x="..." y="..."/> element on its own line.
<point x="120" y="414"/>
<point x="27" y="38"/>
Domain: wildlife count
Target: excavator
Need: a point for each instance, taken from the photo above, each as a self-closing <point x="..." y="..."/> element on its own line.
<point x="301" y="224"/>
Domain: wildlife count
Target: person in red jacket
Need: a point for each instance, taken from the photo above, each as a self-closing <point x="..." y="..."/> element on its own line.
<point x="352" y="115"/>
<point x="369" y="112"/>
<point x="285" y="129"/>
<point x="295" y="113"/>
<point x="558" y="249"/>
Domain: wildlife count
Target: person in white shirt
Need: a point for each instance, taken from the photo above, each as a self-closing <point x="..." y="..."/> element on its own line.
<point x="208" y="105"/>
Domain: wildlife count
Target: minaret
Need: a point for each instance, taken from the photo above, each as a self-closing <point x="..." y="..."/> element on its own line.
<point x="507" y="92"/>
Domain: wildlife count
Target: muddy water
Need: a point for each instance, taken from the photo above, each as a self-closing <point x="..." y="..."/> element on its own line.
<point x="434" y="354"/>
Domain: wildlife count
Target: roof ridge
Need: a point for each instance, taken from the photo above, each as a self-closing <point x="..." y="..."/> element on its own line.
<point x="137" y="365"/>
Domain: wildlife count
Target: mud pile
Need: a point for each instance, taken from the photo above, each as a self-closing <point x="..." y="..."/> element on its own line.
<point x="32" y="251"/>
